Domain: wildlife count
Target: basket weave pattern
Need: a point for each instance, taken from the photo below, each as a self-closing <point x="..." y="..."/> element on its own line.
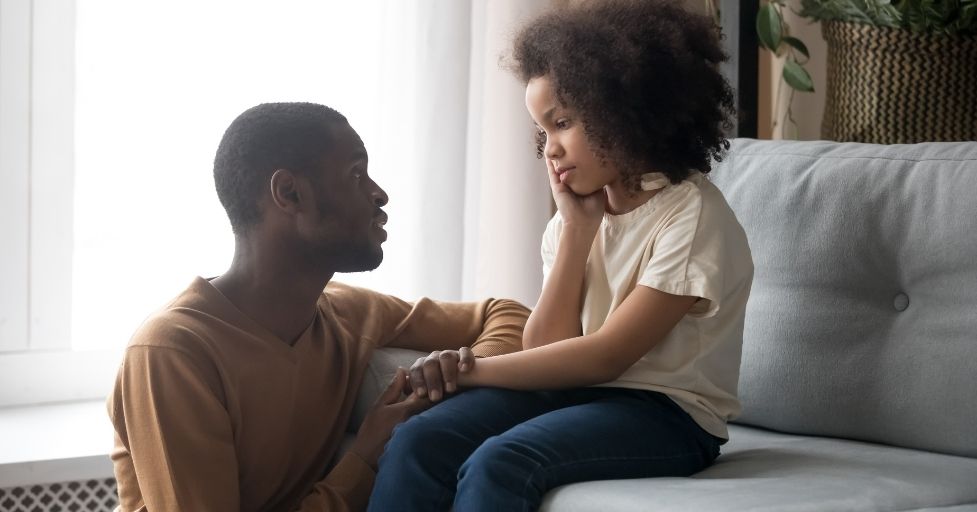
<point x="893" y="86"/>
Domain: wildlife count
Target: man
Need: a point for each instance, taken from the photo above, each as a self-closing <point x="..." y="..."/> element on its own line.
<point x="236" y="395"/>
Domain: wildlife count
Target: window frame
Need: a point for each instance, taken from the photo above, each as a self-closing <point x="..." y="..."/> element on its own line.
<point x="37" y="124"/>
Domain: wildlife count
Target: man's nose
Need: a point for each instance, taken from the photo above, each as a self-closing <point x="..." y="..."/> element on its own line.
<point x="379" y="196"/>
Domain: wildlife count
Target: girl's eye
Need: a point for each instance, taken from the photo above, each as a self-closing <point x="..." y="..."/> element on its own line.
<point x="562" y="124"/>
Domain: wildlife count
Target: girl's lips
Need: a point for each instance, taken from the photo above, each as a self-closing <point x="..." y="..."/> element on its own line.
<point x="561" y="173"/>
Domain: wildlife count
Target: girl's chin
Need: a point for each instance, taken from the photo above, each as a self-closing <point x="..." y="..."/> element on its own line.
<point x="582" y="190"/>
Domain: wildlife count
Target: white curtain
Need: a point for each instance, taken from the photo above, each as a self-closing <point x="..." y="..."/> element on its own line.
<point x="480" y="199"/>
<point x="506" y="195"/>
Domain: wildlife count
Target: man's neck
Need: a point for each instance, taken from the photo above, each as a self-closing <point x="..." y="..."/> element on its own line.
<point x="274" y="291"/>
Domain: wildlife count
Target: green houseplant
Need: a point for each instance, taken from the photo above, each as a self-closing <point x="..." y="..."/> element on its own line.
<point x="879" y="53"/>
<point x="953" y="18"/>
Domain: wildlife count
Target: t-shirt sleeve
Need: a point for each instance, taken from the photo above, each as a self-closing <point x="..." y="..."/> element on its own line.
<point x="551" y="240"/>
<point x="686" y="256"/>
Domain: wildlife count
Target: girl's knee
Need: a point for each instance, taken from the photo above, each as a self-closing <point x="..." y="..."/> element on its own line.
<point x="498" y="455"/>
<point x="501" y="471"/>
<point x="416" y="435"/>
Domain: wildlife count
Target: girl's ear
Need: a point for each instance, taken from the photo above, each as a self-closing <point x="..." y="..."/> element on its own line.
<point x="287" y="192"/>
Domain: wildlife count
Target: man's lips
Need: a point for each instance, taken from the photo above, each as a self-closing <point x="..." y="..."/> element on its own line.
<point x="380" y="219"/>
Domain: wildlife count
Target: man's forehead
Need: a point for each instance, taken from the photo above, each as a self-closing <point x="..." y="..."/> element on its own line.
<point x="347" y="143"/>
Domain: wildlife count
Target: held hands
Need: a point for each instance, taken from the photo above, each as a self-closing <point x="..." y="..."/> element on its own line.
<point x="432" y="376"/>
<point x="390" y="409"/>
<point x="584" y="211"/>
<point x="436" y="375"/>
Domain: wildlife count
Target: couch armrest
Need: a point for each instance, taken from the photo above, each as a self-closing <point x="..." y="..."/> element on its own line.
<point x="382" y="367"/>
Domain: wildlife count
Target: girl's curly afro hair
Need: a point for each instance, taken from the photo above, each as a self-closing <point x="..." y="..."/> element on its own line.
<point x="643" y="75"/>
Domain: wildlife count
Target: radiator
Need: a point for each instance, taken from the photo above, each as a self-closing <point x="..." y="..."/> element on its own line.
<point x="87" y="495"/>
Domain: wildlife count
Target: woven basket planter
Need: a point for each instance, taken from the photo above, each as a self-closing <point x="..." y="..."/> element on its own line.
<point x="892" y="86"/>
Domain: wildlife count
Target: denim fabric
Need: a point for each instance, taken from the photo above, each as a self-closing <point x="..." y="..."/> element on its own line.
<point x="500" y="450"/>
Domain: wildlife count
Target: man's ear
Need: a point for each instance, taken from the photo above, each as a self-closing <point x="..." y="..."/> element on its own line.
<point x="288" y="193"/>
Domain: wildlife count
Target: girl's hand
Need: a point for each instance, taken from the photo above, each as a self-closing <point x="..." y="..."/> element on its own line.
<point x="584" y="211"/>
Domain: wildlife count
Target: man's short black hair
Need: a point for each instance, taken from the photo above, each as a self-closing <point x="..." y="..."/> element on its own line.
<point x="644" y="76"/>
<point x="263" y="139"/>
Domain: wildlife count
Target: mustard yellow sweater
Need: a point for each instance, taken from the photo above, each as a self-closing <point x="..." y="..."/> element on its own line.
<point x="214" y="413"/>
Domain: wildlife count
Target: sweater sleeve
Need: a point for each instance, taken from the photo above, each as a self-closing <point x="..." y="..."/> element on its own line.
<point x="346" y="488"/>
<point x="490" y="327"/>
<point x="175" y="447"/>
<point x="174" y="434"/>
<point x="502" y="328"/>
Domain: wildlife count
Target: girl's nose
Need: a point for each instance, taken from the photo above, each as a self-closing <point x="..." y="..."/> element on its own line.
<point x="553" y="149"/>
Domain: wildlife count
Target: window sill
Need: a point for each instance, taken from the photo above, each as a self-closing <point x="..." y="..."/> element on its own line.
<point x="54" y="443"/>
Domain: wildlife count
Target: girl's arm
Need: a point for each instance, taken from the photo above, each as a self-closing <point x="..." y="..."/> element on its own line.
<point x="557" y="313"/>
<point x="641" y="322"/>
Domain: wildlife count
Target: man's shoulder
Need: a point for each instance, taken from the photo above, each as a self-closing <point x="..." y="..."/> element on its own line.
<point x="362" y="313"/>
<point x="348" y="298"/>
<point x="183" y="323"/>
<point x="170" y="327"/>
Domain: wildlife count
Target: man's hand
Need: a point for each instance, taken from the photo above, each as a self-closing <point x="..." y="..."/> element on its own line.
<point x="437" y="374"/>
<point x="389" y="410"/>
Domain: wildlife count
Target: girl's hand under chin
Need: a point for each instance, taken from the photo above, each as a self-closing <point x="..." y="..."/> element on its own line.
<point x="582" y="211"/>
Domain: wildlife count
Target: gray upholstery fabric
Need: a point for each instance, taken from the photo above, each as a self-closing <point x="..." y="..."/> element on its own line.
<point x="382" y="367"/>
<point x="862" y="322"/>
<point x="862" y="325"/>
<point x="765" y="471"/>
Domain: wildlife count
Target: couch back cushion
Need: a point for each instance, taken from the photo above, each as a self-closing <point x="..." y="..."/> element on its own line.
<point x="862" y="322"/>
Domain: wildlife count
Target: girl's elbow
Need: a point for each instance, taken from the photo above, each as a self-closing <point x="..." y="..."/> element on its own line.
<point x="611" y="368"/>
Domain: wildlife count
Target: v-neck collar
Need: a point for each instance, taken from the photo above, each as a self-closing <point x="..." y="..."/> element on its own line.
<point x="217" y="304"/>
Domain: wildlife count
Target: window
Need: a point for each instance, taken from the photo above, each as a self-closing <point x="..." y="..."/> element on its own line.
<point x="111" y="114"/>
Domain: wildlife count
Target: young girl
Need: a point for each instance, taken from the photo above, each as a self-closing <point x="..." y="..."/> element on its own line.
<point x="635" y="341"/>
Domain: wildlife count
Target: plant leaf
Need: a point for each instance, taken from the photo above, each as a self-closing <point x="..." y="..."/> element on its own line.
<point x="798" y="45"/>
<point x="768" y="27"/>
<point x="797" y="77"/>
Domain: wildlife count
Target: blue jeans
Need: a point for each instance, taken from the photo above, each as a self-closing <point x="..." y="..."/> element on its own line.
<point x="500" y="450"/>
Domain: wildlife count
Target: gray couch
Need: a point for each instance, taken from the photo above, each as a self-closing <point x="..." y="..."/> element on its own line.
<point x="859" y="368"/>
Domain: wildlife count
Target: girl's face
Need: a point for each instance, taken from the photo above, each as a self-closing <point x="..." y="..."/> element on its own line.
<point x="567" y="147"/>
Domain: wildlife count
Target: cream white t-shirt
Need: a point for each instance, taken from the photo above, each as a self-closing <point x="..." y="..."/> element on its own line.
<point x="685" y="241"/>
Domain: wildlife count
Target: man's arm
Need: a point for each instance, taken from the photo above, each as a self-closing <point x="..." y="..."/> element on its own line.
<point x="490" y="327"/>
<point x="436" y="374"/>
<point x="177" y="445"/>
<point x="176" y="432"/>
<point x="348" y="485"/>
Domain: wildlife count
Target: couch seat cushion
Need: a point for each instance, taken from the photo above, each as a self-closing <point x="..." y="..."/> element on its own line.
<point x="763" y="470"/>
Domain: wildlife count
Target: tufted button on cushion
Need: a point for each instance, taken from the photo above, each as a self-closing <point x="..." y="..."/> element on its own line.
<point x="839" y="233"/>
<point x="901" y="302"/>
